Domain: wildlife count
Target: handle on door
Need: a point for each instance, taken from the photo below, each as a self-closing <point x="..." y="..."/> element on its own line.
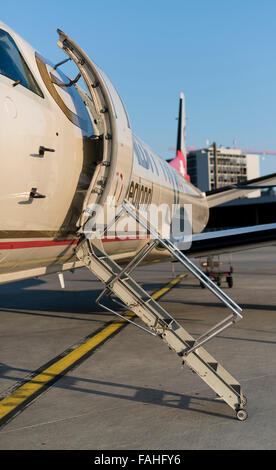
<point x="35" y="195"/>
<point x="43" y="149"/>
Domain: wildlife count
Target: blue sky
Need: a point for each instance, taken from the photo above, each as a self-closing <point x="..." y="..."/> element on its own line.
<point x="221" y="54"/>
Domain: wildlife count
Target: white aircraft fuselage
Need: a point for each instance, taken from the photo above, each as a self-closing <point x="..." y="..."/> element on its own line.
<point x="58" y="153"/>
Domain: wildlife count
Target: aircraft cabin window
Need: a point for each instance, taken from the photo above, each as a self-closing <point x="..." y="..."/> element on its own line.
<point x="13" y="66"/>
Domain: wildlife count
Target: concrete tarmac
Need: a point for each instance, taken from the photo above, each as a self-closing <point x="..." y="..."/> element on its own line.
<point x="132" y="393"/>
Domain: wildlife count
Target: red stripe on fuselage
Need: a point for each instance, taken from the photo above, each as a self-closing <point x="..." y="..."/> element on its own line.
<point x="34" y="244"/>
<point x="46" y="243"/>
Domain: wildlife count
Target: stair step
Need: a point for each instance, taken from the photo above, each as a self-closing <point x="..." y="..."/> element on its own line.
<point x="237" y="388"/>
<point x="214" y="365"/>
<point x="190" y="343"/>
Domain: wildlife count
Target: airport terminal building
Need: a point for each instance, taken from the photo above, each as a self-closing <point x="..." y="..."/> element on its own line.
<point x="210" y="168"/>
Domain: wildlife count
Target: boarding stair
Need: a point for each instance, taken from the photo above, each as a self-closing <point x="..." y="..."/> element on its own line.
<point x="127" y="293"/>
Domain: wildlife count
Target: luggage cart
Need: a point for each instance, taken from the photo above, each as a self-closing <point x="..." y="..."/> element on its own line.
<point x="218" y="270"/>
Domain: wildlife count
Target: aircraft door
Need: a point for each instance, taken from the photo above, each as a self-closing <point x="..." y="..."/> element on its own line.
<point x="113" y="172"/>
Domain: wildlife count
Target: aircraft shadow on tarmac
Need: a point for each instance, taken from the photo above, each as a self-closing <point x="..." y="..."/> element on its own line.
<point x="220" y="305"/>
<point x="24" y="297"/>
<point x="19" y="298"/>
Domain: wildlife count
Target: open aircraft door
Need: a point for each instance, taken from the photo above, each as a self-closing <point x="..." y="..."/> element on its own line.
<point x="112" y="132"/>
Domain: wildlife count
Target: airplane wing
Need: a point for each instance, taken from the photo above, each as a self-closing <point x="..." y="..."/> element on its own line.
<point x="235" y="191"/>
<point x="231" y="240"/>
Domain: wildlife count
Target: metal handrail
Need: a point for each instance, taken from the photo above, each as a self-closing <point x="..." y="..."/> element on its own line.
<point x="122" y="316"/>
<point x="201" y="276"/>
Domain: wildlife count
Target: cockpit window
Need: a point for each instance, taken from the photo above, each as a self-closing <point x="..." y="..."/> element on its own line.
<point x="13" y="66"/>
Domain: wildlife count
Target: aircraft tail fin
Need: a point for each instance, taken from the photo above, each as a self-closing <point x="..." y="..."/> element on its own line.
<point x="179" y="162"/>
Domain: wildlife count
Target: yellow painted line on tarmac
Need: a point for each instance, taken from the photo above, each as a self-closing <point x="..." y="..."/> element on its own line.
<point x="165" y="289"/>
<point x="24" y="394"/>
